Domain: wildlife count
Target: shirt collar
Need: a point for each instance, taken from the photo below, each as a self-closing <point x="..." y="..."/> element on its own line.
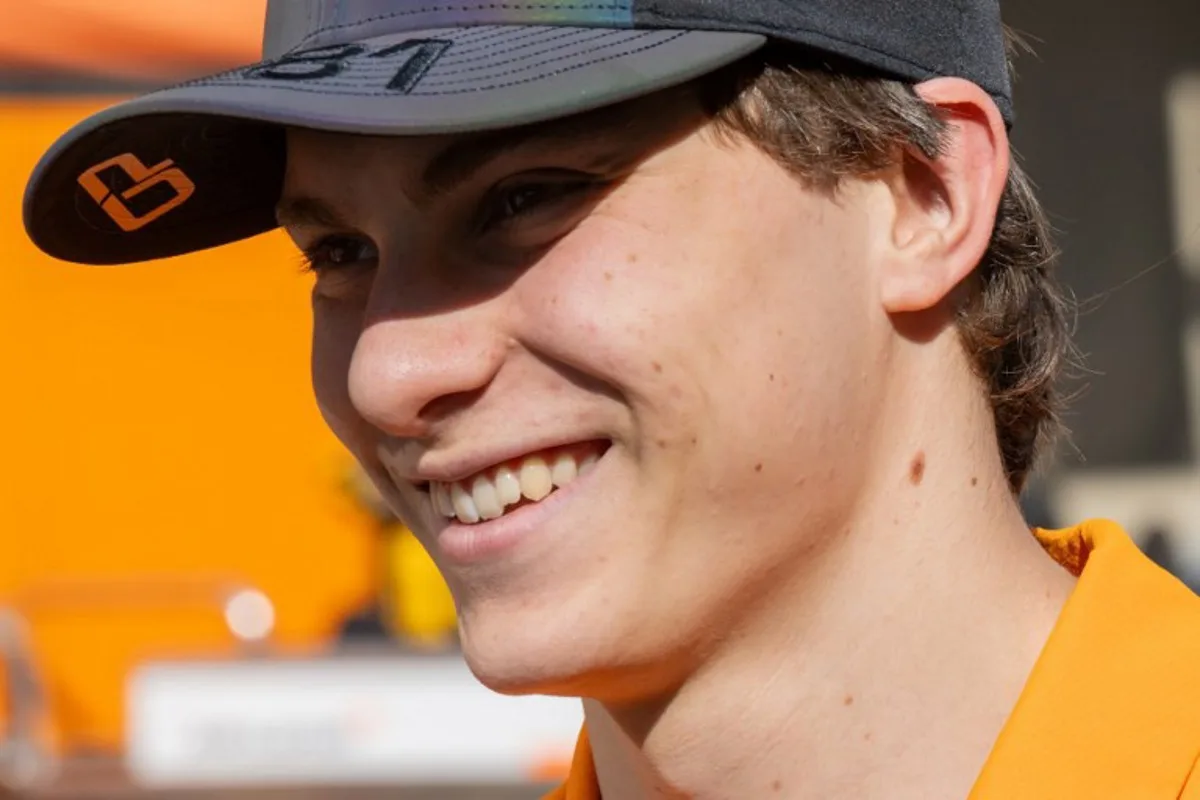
<point x="1112" y="707"/>
<point x="582" y="783"/>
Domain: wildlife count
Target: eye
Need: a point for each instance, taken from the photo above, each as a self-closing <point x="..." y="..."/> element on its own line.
<point x="515" y="202"/>
<point x="339" y="252"/>
<point x="533" y="196"/>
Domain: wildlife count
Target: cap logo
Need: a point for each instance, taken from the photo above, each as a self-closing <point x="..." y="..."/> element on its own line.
<point x="143" y="177"/>
<point x="415" y="56"/>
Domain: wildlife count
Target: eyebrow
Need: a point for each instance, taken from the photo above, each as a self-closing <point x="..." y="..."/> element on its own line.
<point x="301" y="211"/>
<point x="463" y="157"/>
<point x="448" y="169"/>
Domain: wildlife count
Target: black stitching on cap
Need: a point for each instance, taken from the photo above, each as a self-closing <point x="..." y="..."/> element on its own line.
<point x="537" y="30"/>
<point x="436" y="83"/>
<point x="311" y="89"/>
<point x="477" y="33"/>
<point x="490" y="64"/>
<point x="371" y="70"/>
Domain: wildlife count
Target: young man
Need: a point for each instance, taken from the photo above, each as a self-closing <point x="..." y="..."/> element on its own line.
<point x="706" y="347"/>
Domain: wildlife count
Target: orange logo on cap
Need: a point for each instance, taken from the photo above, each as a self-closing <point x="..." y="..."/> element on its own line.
<point x="144" y="178"/>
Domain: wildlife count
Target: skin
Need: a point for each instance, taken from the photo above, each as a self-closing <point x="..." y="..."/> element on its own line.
<point x="798" y="569"/>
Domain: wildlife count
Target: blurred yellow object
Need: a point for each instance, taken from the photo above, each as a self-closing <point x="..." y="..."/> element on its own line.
<point x="418" y="602"/>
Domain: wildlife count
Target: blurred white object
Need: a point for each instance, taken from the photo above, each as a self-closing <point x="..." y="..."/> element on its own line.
<point x="337" y="721"/>
<point x="25" y="760"/>
<point x="250" y="615"/>
<point x="1141" y="499"/>
<point x="1191" y="372"/>
<point x="1183" y="128"/>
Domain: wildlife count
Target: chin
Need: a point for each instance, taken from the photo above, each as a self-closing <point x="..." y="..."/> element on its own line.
<point x="553" y="652"/>
<point x="527" y="656"/>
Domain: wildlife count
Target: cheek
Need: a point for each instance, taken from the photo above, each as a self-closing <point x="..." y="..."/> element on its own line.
<point x="335" y="336"/>
<point x="600" y="303"/>
<point x="678" y="283"/>
<point x="737" y="328"/>
<point x="614" y="296"/>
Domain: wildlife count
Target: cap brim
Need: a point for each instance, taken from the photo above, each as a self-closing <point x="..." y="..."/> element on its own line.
<point x="201" y="164"/>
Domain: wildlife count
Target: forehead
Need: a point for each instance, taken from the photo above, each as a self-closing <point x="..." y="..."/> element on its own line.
<point x="314" y="156"/>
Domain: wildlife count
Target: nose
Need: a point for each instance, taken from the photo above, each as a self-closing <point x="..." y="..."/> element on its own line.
<point x="406" y="374"/>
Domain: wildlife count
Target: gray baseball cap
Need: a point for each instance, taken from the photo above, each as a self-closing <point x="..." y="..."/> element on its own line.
<point x="201" y="164"/>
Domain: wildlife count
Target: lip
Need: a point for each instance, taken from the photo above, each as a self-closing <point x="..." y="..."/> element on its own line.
<point x="460" y="468"/>
<point x="465" y="545"/>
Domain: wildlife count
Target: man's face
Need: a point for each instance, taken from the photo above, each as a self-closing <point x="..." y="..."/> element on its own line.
<point x="664" y="322"/>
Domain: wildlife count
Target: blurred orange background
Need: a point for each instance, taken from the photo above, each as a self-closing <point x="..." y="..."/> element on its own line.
<point x="160" y="443"/>
<point x="136" y="39"/>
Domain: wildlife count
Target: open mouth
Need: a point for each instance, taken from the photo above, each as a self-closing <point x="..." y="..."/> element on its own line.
<point x="504" y="488"/>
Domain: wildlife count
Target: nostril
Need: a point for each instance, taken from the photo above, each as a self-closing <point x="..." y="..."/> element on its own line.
<point x="448" y="404"/>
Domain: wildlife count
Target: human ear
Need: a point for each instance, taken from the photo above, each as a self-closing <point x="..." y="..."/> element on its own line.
<point x="945" y="205"/>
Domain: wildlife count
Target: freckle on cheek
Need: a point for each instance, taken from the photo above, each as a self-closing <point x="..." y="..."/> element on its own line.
<point x="658" y="367"/>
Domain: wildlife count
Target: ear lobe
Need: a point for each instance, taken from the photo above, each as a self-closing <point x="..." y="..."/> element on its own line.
<point x="945" y="206"/>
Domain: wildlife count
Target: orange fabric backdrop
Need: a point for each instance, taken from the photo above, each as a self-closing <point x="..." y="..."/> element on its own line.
<point x="157" y="40"/>
<point x="158" y="427"/>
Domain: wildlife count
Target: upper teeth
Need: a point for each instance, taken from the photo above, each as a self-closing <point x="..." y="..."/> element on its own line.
<point x="487" y="495"/>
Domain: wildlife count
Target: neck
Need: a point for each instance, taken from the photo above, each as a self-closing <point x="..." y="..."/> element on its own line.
<point x="884" y="671"/>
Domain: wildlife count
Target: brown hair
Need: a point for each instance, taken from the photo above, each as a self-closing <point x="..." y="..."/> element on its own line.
<point x="827" y="122"/>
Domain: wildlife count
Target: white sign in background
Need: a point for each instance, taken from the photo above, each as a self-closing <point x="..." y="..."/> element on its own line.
<point x="337" y="721"/>
<point x="1183" y="115"/>
<point x="1143" y="499"/>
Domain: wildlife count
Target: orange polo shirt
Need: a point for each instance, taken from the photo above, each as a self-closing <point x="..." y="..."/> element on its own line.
<point x="1112" y="707"/>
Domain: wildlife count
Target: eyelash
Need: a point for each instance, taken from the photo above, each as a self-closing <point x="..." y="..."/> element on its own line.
<point x="546" y="192"/>
<point x="492" y="215"/>
<point x="316" y="258"/>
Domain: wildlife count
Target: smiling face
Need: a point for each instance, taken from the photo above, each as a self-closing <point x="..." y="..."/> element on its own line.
<point x="667" y="326"/>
